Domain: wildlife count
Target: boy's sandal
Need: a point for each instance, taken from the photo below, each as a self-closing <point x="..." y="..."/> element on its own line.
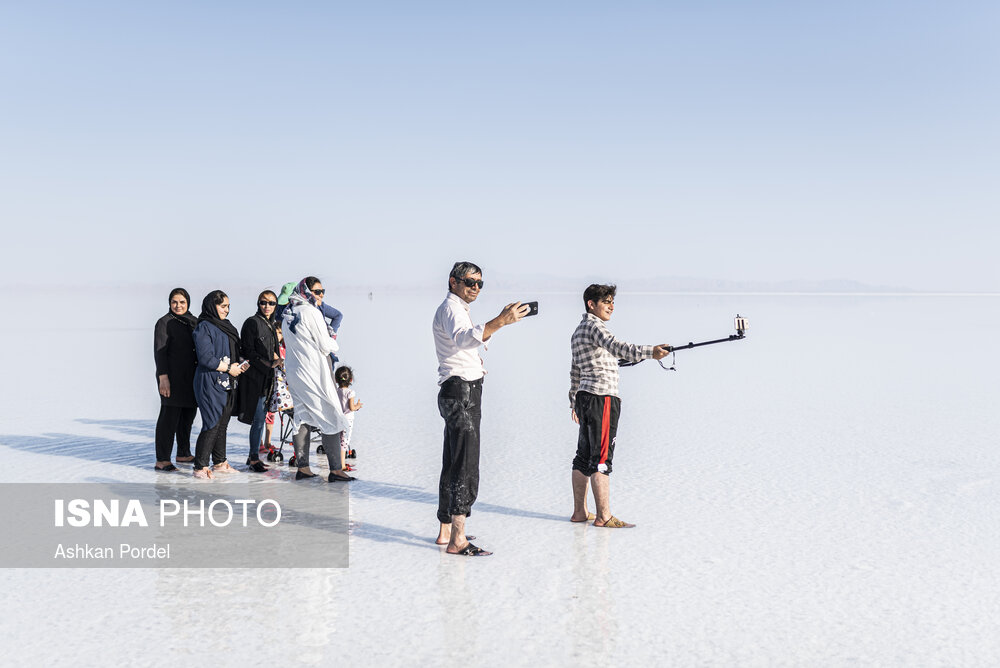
<point x="615" y="523"/>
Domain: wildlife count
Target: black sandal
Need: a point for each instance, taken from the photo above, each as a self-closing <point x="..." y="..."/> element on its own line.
<point x="168" y="467"/>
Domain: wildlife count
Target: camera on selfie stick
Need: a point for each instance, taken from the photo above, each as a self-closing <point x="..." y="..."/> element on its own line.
<point x="741" y="327"/>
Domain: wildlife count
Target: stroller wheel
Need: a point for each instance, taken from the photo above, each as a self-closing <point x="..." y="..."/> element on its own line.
<point x="320" y="450"/>
<point x="351" y="454"/>
<point x="291" y="460"/>
<point x="270" y="456"/>
<point x="279" y="457"/>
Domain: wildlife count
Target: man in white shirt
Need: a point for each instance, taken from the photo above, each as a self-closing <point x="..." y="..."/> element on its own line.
<point x="460" y="377"/>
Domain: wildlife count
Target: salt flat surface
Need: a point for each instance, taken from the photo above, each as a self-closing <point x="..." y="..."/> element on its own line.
<point x="823" y="493"/>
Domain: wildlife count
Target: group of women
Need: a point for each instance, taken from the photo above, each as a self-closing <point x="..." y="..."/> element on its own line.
<point x="204" y="363"/>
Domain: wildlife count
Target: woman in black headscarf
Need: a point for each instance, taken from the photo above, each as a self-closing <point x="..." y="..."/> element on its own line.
<point x="259" y="344"/>
<point x="217" y="345"/>
<point x="173" y="352"/>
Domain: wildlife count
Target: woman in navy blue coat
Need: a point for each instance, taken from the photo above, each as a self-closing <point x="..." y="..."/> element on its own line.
<point x="217" y="347"/>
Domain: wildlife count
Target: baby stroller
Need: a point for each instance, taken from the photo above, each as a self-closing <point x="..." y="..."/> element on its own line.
<point x="284" y="436"/>
<point x="281" y="404"/>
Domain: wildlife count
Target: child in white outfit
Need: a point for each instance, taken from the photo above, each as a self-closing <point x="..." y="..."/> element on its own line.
<point x="349" y="403"/>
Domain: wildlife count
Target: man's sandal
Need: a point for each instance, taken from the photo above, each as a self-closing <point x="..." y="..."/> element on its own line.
<point x="590" y="517"/>
<point x="614" y="523"/>
<point x="471" y="550"/>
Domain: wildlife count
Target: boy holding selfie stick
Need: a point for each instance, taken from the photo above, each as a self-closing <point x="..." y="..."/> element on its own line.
<point x="594" y="402"/>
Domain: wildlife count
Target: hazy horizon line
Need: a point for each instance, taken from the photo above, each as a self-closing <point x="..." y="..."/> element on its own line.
<point x="573" y="285"/>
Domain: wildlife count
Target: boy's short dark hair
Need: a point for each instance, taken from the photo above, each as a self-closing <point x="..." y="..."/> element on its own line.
<point x="596" y="292"/>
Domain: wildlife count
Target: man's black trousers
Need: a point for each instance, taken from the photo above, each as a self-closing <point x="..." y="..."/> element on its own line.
<point x="460" y="404"/>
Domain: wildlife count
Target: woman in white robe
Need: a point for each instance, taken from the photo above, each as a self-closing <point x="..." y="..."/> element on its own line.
<point x="309" y="372"/>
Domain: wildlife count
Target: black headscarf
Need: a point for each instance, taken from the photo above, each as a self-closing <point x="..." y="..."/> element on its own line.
<point x="270" y="322"/>
<point x="210" y="315"/>
<point x="187" y="318"/>
<point x="269" y="319"/>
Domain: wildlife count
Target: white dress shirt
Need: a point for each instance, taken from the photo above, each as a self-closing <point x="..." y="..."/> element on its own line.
<point x="457" y="340"/>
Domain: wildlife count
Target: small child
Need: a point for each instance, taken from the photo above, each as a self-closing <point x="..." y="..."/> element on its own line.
<point x="349" y="403"/>
<point x="281" y="398"/>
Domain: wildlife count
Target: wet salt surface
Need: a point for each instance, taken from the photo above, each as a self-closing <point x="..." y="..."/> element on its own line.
<point x="825" y="492"/>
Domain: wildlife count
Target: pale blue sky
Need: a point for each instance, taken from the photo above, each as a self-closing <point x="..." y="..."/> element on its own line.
<point x="371" y="141"/>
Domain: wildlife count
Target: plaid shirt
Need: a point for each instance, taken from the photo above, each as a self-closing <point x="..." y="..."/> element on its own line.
<point x="596" y="352"/>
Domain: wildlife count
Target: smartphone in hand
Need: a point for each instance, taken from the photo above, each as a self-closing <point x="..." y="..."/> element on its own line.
<point x="533" y="308"/>
<point x="244" y="365"/>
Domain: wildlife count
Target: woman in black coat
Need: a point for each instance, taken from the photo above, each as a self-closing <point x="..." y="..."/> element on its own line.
<point x="173" y="352"/>
<point x="259" y="345"/>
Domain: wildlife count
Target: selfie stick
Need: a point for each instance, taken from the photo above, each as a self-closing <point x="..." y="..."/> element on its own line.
<point x="741" y="326"/>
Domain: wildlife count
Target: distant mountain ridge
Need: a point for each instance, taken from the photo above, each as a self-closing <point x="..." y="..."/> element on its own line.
<point x="699" y="285"/>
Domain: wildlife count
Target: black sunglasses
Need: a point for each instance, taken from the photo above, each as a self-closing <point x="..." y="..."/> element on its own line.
<point x="319" y="293"/>
<point x="472" y="283"/>
<point x="263" y="303"/>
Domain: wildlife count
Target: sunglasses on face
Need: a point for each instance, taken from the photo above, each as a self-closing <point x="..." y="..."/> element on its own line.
<point x="470" y="283"/>
<point x="263" y="303"/>
<point x="319" y="293"/>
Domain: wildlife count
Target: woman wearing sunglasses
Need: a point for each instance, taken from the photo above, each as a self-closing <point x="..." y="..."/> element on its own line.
<point x="259" y="344"/>
<point x="308" y="343"/>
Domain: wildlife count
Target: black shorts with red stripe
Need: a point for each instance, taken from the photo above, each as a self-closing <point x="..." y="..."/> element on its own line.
<point x="595" y="447"/>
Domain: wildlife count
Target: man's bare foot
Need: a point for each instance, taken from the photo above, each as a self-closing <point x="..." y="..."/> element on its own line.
<point x="583" y="518"/>
<point x="456" y="548"/>
<point x="448" y="540"/>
